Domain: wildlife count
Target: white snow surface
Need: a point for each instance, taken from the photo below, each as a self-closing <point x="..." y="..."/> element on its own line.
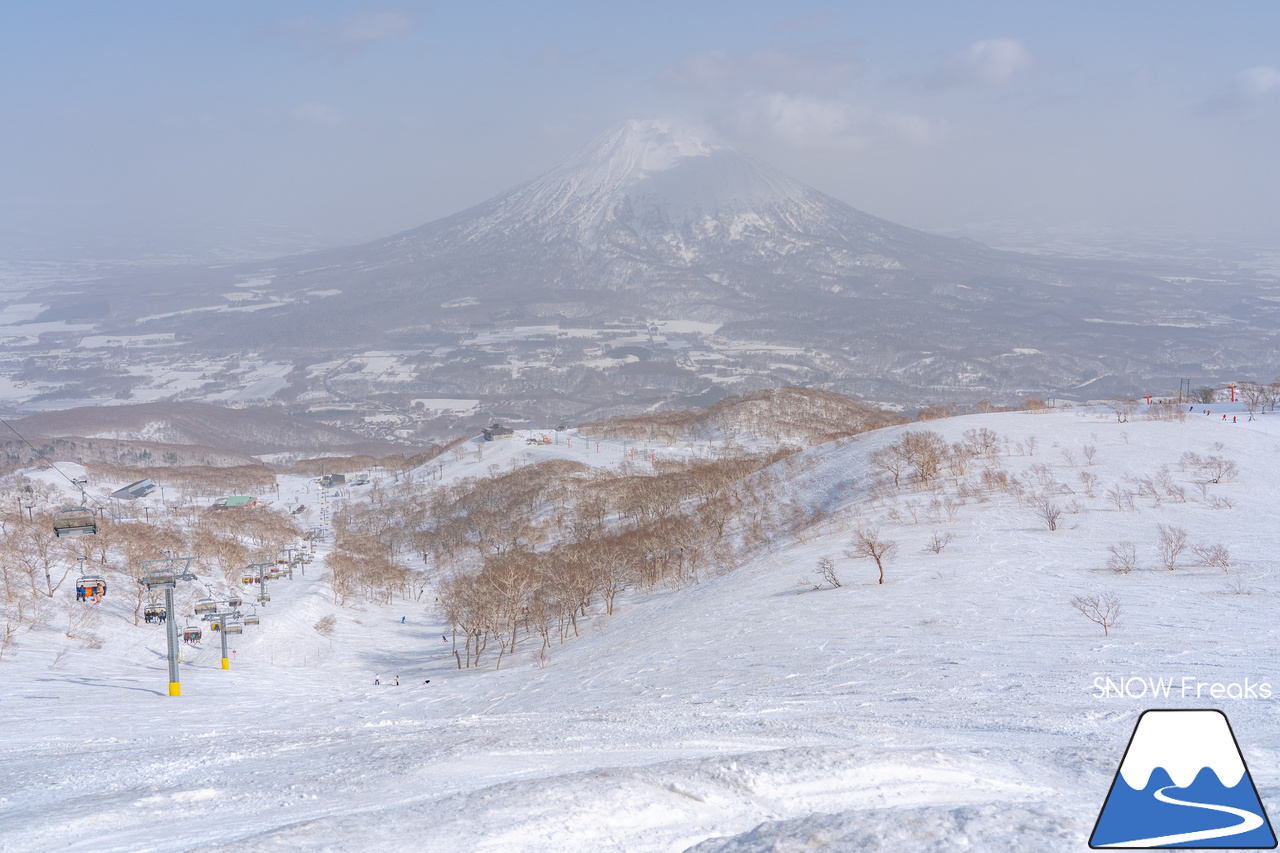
<point x="953" y="708"/>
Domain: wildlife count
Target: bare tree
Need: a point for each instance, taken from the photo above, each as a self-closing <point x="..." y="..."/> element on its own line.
<point x="1171" y="541"/>
<point x="938" y="542"/>
<point x="867" y="544"/>
<point x="1217" y="469"/>
<point x="827" y="571"/>
<point x="1090" y="451"/>
<point x="1123" y="408"/>
<point x="1103" y="609"/>
<point x="1254" y="396"/>
<point x="1204" y="394"/>
<point x="1124" y="557"/>
<point x="1048" y="511"/>
<point x="891" y="461"/>
<point x="1213" y="555"/>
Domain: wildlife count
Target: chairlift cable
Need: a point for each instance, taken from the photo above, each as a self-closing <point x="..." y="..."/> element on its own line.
<point x="84" y="493"/>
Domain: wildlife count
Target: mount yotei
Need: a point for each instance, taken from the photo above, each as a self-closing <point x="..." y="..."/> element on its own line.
<point x="656" y="267"/>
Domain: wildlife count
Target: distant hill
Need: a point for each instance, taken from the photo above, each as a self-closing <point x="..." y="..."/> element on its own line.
<point x="807" y="416"/>
<point x="246" y="432"/>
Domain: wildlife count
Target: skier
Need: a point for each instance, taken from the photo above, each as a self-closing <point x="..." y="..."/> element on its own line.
<point x="397" y="681"/>
<point x="376" y="682"/>
<point x="401" y="620"/>
<point x="428" y="681"/>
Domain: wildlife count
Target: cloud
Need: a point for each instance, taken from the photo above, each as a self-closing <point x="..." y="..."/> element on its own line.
<point x="1252" y="88"/>
<point x="815" y="124"/>
<point x="346" y="37"/>
<point x="767" y="69"/>
<point x="984" y="63"/>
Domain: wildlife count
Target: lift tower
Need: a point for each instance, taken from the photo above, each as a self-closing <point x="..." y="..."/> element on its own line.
<point x="164" y="575"/>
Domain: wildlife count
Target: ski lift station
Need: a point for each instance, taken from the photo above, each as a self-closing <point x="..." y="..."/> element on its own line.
<point x="235" y="502"/>
<point x="133" y="491"/>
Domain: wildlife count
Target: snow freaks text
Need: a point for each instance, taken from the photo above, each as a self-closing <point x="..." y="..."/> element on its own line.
<point x="1186" y="687"/>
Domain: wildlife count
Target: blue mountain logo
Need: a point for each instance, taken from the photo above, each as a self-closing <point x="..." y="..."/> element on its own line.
<point x="1183" y="783"/>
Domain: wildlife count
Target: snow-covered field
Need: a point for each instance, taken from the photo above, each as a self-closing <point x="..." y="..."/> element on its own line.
<point x="952" y="708"/>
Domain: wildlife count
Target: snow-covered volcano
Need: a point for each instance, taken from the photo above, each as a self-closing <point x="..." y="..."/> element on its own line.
<point x="658" y="188"/>
<point x="652" y="221"/>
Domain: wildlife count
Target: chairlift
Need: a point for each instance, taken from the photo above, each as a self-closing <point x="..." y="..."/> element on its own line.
<point x="206" y="605"/>
<point x="251" y="620"/>
<point x="234" y="601"/>
<point x="234" y="629"/>
<point x="155" y="612"/>
<point x="90" y="586"/>
<point x="248" y="579"/>
<point x="74" y="521"/>
<point x="191" y="635"/>
<point x="264" y="597"/>
<point x="215" y="626"/>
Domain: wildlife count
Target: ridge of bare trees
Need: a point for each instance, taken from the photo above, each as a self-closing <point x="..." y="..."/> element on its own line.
<point x="809" y="416"/>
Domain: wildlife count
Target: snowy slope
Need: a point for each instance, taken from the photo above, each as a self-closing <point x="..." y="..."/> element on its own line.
<point x="952" y="708"/>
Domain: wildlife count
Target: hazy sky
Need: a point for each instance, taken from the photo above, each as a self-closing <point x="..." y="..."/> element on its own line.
<point x="172" y="126"/>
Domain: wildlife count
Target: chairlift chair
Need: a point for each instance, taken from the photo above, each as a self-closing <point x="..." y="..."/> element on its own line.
<point x="90" y="586"/>
<point x="264" y="597"/>
<point x="154" y="612"/>
<point x="215" y="626"/>
<point x="191" y="634"/>
<point x="74" y="521"/>
<point x="234" y="601"/>
<point x="206" y="605"/>
<point x="251" y="620"/>
<point x="234" y="629"/>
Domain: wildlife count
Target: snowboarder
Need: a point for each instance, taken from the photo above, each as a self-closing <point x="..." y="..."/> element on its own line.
<point x="397" y="681"/>
<point x="376" y="682"/>
<point x="428" y="681"/>
<point x="401" y="620"/>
